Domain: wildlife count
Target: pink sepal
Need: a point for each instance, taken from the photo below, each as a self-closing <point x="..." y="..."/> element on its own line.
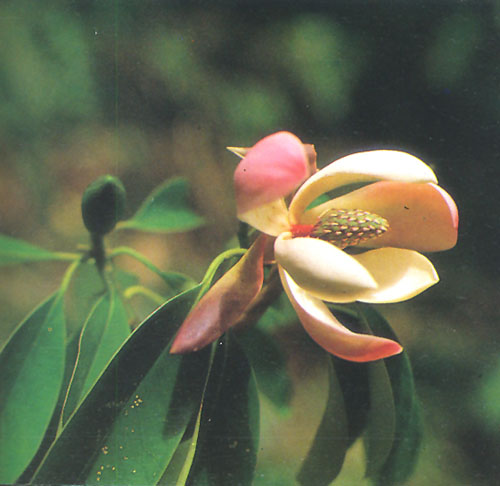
<point x="271" y="169"/>
<point x="224" y="303"/>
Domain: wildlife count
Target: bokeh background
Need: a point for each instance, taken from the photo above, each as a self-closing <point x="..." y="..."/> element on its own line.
<point x="147" y="90"/>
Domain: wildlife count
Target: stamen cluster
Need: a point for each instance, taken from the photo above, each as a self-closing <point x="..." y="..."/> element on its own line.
<point x="348" y="227"/>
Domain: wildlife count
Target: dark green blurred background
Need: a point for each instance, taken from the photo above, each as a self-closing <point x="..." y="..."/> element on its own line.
<point x="146" y="90"/>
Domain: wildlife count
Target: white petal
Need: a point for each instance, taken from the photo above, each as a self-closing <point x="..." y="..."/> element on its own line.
<point x="322" y="269"/>
<point x="270" y="218"/>
<point x="400" y="274"/>
<point x="329" y="333"/>
<point x="360" y="167"/>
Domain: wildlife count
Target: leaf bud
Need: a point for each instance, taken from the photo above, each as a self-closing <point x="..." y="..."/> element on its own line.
<point x="103" y="204"/>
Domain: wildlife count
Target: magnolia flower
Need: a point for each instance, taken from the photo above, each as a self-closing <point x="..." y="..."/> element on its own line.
<point x="361" y="245"/>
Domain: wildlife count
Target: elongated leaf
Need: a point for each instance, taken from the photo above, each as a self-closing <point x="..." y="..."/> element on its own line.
<point x="129" y="424"/>
<point x="181" y="464"/>
<point x="145" y="436"/>
<point x="380" y="431"/>
<point x="408" y="427"/>
<point x="381" y="420"/>
<point x="226" y="452"/>
<point x="326" y="456"/>
<point x="269" y="366"/>
<point x="178" y="281"/>
<point x="13" y="251"/>
<point x="353" y="379"/>
<point x="181" y="458"/>
<point x="51" y="432"/>
<point x="166" y="209"/>
<point x="104" y="332"/>
<point x="31" y="374"/>
<point x="280" y="314"/>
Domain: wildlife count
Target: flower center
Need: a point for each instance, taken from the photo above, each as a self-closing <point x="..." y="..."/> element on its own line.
<point x="344" y="227"/>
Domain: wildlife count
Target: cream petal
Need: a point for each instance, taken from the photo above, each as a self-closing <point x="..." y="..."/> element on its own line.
<point x="360" y="167"/>
<point x="421" y="217"/>
<point x="400" y="274"/>
<point x="270" y="218"/>
<point x="329" y="333"/>
<point x="322" y="269"/>
<point x="271" y="169"/>
<point x="239" y="151"/>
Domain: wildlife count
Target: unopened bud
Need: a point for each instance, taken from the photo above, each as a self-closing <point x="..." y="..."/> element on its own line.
<point x="103" y="204"/>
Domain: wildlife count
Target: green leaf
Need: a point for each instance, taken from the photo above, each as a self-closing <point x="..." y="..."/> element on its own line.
<point x="166" y="209"/>
<point x="130" y="423"/>
<point x="104" y="332"/>
<point x="408" y="424"/>
<point x="269" y="366"/>
<point x="181" y="463"/>
<point x="84" y="290"/>
<point x="380" y="429"/>
<point x="353" y="379"/>
<point x="278" y="315"/>
<point x="485" y="405"/>
<point x="177" y="281"/>
<point x="31" y="375"/>
<point x="145" y="436"/>
<point x="52" y="429"/>
<point x="181" y="458"/>
<point x="13" y="251"/>
<point x="326" y="456"/>
<point x="226" y="452"/>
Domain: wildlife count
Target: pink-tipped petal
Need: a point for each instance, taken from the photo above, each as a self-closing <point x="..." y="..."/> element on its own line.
<point x="270" y="218"/>
<point x="329" y="333"/>
<point x="400" y="274"/>
<point x="322" y="269"/>
<point x="271" y="169"/>
<point x="421" y="217"/>
<point x="224" y="303"/>
<point x="360" y="167"/>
